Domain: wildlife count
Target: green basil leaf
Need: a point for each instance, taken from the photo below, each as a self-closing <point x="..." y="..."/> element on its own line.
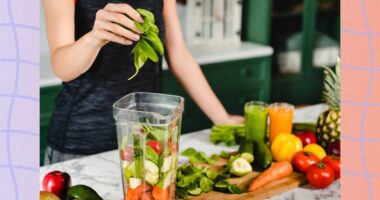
<point x="206" y="184"/>
<point x="146" y="14"/>
<point x="211" y="174"/>
<point x="148" y="50"/>
<point x="234" y="189"/>
<point x="224" y="154"/>
<point x="222" y="184"/>
<point x="155" y="41"/>
<point x="189" y="152"/>
<point x="151" y="155"/>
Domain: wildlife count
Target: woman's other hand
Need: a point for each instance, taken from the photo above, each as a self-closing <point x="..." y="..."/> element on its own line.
<point x="230" y="119"/>
<point x="115" y="23"/>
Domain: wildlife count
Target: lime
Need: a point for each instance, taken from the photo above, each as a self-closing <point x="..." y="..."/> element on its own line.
<point x="83" y="192"/>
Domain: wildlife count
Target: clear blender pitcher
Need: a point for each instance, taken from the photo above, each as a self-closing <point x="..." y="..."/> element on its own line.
<point x="148" y="128"/>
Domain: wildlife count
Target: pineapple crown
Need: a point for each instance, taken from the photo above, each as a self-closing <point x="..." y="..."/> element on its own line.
<point x="331" y="87"/>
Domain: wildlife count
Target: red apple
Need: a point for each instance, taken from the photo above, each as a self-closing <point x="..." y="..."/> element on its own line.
<point x="57" y="183"/>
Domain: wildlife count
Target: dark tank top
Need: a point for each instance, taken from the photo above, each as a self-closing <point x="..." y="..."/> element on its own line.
<point x="82" y="122"/>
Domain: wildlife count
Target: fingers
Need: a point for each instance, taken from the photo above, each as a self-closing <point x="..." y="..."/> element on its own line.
<point x="106" y="15"/>
<point x="125" y="9"/>
<point x="118" y="30"/>
<point x="108" y="36"/>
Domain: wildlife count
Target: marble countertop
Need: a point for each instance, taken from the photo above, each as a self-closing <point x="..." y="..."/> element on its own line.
<point x="102" y="171"/>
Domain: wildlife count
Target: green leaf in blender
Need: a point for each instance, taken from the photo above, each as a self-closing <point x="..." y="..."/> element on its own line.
<point x="206" y="184"/>
<point x="135" y="169"/>
<point x="151" y="155"/>
<point x="159" y="134"/>
<point x="165" y="180"/>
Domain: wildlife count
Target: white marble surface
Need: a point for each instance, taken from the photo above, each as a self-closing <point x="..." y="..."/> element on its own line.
<point x="102" y="171"/>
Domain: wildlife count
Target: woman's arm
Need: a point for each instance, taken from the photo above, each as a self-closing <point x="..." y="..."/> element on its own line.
<point x="188" y="71"/>
<point x="72" y="58"/>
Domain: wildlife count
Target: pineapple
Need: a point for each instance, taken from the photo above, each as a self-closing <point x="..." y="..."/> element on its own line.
<point x="328" y="124"/>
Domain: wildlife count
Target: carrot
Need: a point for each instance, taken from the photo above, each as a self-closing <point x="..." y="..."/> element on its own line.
<point x="276" y="171"/>
<point x="160" y="194"/>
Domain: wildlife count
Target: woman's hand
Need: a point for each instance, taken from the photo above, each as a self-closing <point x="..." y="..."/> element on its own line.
<point x="114" y="23"/>
<point x="230" y="119"/>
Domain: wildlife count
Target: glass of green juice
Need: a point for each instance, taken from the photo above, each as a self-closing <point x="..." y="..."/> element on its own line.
<point x="256" y="117"/>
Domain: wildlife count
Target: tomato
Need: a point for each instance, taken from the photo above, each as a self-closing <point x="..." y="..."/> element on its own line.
<point x="316" y="150"/>
<point x="126" y="153"/>
<point x="307" y="137"/>
<point x="303" y="160"/>
<point x="160" y="194"/>
<point x="334" y="163"/>
<point x="320" y="175"/>
<point x="155" y="145"/>
<point x="169" y="144"/>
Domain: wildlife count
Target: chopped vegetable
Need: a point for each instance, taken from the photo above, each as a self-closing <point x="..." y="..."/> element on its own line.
<point x="263" y="156"/>
<point x="275" y="172"/>
<point x="194" y="180"/>
<point x="199" y="157"/>
<point x="229" y="134"/>
<point x="240" y="167"/>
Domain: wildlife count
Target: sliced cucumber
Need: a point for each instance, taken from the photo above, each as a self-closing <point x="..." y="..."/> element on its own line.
<point x="247" y="156"/>
<point x="240" y="167"/>
<point x="166" y="164"/>
<point x="150" y="167"/>
<point x="134" y="182"/>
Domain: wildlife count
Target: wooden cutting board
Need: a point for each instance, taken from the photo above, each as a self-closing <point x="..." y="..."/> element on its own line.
<point x="276" y="187"/>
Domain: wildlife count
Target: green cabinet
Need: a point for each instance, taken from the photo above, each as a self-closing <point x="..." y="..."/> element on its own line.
<point x="234" y="82"/>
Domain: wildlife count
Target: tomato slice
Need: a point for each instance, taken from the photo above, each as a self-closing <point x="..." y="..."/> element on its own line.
<point x="156" y="146"/>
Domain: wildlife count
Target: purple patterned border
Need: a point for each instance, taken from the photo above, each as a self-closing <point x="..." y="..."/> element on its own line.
<point x="19" y="99"/>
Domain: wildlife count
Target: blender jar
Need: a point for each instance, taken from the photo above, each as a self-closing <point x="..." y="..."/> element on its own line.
<point x="148" y="128"/>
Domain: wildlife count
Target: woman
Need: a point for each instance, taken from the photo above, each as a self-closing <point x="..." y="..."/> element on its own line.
<point x="91" y="54"/>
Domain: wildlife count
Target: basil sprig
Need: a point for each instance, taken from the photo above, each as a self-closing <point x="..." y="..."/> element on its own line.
<point x="149" y="46"/>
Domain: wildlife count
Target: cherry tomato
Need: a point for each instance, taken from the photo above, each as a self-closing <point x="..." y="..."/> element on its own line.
<point x="303" y="160"/>
<point x="320" y="175"/>
<point x="155" y="145"/>
<point x="175" y="146"/>
<point x="126" y="153"/>
<point x="334" y="163"/>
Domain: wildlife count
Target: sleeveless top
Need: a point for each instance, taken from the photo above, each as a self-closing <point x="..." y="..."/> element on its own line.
<point x="82" y="122"/>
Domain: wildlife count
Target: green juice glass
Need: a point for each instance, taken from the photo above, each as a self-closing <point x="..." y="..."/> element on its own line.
<point x="256" y="117"/>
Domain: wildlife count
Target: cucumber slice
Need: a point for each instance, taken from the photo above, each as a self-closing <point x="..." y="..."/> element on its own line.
<point x="134" y="182"/>
<point x="151" y="172"/>
<point x="166" y="164"/>
<point x="247" y="156"/>
<point x="240" y="167"/>
<point x="150" y="167"/>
